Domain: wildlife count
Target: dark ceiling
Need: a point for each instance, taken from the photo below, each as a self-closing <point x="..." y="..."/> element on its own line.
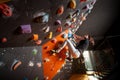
<point x="103" y="21"/>
<point x="100" y="21"/>
<point x="101" y="18"/>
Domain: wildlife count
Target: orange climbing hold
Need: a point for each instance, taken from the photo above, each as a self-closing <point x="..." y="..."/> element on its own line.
<point x="35" y="37"/>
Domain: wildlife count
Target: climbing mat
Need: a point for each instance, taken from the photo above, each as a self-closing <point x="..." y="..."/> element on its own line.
<point x="52" y="63"/>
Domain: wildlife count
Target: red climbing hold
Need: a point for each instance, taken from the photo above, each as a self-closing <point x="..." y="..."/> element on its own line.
<point x="6" y="10"/>
<point x="59" y="29"/>
<point x="4" y="39"/>
<point x="60" y="10"/>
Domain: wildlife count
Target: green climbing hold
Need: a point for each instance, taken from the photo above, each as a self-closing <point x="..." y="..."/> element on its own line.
<point x="34" y="51"/>
<point x="36" y="78"/>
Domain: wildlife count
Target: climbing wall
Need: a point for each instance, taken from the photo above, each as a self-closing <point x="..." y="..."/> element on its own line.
<point x="29" y="22"/>
<point x="21" y="63"/>
<point x="38" y="23"/>
<point x="53" y="62"/>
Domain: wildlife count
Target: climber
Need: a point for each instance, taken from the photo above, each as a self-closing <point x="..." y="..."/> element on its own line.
<point x="75" y="51"/>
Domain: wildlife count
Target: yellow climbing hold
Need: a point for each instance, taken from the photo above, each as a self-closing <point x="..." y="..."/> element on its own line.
<point x="50" y="35"/>
<point x="72" y="4"/>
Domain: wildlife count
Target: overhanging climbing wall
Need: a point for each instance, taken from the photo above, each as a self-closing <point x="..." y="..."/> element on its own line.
<point x="30" y="22"/>
<point x="53" y="62"/>
<point x="36" y="23"/>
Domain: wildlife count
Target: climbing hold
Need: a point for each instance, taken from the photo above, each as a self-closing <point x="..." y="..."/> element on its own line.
<point x="46" y="47"/>
<point x="74" y="19"/>
<point x="36" y="78"/>
<point x="53" y="40"/>
<point x="63" y="65"/>
<point x="46" y="78"/>
<point x="67" y="24"/>
<point x="45" y="18"/>
<point x="83" y="18"/>
<point x="38" y="42"/>
<point x="72" y="26"/>
<point x="52" y="69"/>
<point x="80" y="23"/>
<point x="31" y="63"/>
<point x="49" y="35"/>
<point x="39" y="64"/>
<point x="59" y="29"/>
<point x="69" y="16"/>
<point x="72" y="4"/>
<point x="58" y="71"/>
<point x="54" y="54"/>
<point x="16" y="64"/>
<point x="35" y="37"/>
<point x="60" y="59"/>
<point x="41" y="17"/>
<point x="34" y="51"/>
<point x="25" y="28"/>
<point x="70" y="34"/>
<point x="6" y="10"/>
<point x="46" y="60"/>
<point x="64" y="35"/>
<point x="46" y="29"/>
<point x="60" y="10"/>
<point x="3" y="40"/>
<point x="57" y="22"/>
<point x="66" y="47"/>
<point x="76" y="13"/>
<point x="37" y="14"/>
<point x="89" y="6"/>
